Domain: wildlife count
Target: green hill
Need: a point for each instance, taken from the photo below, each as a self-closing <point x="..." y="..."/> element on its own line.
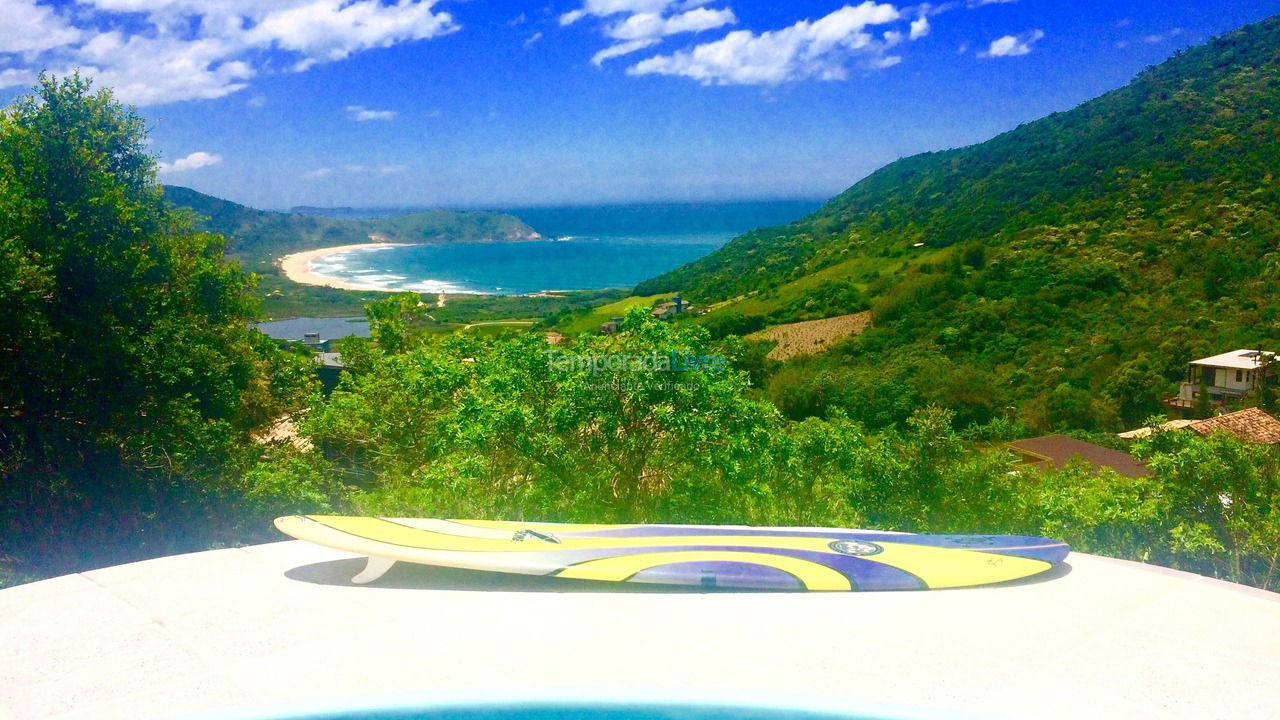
<point x="453" y="226"/>
<point x="1069" y="267"/>
<point x="258" y="236"/>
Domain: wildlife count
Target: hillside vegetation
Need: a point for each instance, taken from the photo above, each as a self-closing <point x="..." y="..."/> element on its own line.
<point x="258" y="236"/>
<point x="137" y="408"/>
<point x="590" y="319"/>
<point x="1070" y="267"/>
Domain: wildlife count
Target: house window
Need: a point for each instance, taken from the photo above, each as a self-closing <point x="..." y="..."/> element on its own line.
<point x="1239" y="376"/>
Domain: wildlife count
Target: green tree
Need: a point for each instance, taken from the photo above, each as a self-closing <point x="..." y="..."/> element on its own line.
<point x="124" y="331"/>
<point x="394" y="322"/>
<point x="1137" y="388"/>
<point x="129" y="376"/>
<point x="617" y="427"/>
<point x="1224" y="496"/>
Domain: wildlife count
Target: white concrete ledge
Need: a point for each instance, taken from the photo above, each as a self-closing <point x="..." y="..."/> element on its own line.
<point x="281" y="623"/>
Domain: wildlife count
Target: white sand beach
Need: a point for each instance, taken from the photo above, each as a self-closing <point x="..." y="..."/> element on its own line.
<point x="297" y="267"/>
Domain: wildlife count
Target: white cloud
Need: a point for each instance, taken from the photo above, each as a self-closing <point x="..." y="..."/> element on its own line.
<point x="529" y="41"/>
<point x="920" y="27"/>
<point x="647" y="22"/>
<point x="355" y="169"/>
<point x="644" y="26"/>
<point x="194" y="161"/>
<point x="606" y="8"/>
<point x="333" y="30"/>
<point x="14" y="77"/>
<point x="32" y="28"/>
<point x="1161" y="37"/>
<point x="160" y="51"/>
<point x="1012" y="45"/>
<point x="151" y="71"/>
<point x="821" y="49"/>
<point x="625" y="48"/>
<point x="360" y="113"/>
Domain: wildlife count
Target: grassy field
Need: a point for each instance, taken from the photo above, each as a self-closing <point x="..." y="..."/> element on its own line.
<point x="283" y="298"/>
<point x="491" y="329"/>
<point x="591" y="321"/>
<point x="861" y="272"/>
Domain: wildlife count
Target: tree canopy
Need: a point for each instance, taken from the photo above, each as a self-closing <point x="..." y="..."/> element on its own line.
<point x="127" y="365"/>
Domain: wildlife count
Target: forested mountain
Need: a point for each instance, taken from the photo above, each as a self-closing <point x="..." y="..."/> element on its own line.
<point x="259" y="235"/>
<point x="139" y="410"/>
<point x="1070" y="266"/>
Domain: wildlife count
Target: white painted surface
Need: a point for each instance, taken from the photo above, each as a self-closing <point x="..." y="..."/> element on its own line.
<point x="1243" y="359"/>
<point x="282" y="623"/>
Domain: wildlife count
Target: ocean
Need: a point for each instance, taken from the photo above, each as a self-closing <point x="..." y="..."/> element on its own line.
<point x="584" y="248"/>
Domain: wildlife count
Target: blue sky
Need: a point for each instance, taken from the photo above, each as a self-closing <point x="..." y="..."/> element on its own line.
<point x="479" y="103"/>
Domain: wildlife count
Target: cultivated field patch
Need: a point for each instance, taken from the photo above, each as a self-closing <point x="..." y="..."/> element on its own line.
<point x="811" y="337"/>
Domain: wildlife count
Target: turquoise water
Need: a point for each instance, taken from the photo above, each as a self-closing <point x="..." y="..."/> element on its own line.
<point x="587" y="712"/>
<point x="518" y="268"/>
<point x="582" y="711"/>
<point x="589" y="247"/>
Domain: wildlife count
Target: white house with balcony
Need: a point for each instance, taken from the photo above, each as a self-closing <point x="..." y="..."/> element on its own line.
<point x="1224" y="377"/>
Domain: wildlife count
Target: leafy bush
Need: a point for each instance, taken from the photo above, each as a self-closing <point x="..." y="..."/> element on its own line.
<point x="130" y="382"/>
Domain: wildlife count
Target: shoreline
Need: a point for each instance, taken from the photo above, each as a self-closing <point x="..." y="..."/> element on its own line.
<point x="297" y="267"/>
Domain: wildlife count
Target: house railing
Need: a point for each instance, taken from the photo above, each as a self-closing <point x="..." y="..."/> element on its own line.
<point x="1191" y="391"/>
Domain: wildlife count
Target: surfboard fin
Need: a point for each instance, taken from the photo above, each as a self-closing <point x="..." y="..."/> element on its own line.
<point x="374" y="569"/>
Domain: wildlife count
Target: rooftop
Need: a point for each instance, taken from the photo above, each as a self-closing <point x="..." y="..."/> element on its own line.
<point x="1250" y="425"/>
<point x="1147" y="431"/>
<point x="281" y="623"/>
<point x="1057" y="450"/>
<point x="1242" y="359"/>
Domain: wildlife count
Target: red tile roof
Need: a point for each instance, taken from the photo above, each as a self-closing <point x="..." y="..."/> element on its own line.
<point x="1252" y="425"/>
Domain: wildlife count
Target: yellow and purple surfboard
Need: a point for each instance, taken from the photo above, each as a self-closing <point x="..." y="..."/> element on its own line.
<point x="750" y="558"/>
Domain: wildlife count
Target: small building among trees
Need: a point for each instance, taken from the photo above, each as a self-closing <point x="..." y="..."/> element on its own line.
<point x="1055" y="451"/>
<point x="1214" y="381"/>
<point x="668" y="310"/>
